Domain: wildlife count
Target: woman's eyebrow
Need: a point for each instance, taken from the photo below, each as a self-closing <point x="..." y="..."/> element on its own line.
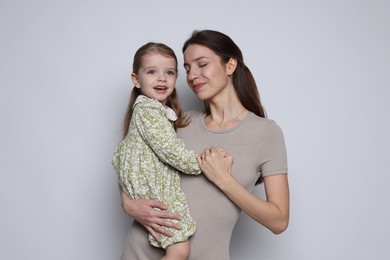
<point x="197" y="59"/>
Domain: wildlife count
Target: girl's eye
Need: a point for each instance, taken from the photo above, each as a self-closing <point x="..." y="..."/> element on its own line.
<point x="171" y="73"/>
<point x="150" y="72"/>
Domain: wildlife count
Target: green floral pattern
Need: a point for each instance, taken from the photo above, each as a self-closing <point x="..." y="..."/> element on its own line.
<point x="148" y="162"/>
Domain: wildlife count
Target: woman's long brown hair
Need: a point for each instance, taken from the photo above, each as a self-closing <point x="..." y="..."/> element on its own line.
<point x="243" y="80"/>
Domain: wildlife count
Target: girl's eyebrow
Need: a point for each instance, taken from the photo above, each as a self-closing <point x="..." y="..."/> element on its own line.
<point x="154" y="67"/>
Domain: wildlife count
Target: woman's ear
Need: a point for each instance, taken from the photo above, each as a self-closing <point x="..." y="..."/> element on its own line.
<point x="134" y="78"/>
<point x="231" y="66"/>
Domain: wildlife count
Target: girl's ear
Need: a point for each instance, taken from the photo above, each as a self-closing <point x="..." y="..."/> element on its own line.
<point x="134" y="78"/>
<point x="231" y="66"/>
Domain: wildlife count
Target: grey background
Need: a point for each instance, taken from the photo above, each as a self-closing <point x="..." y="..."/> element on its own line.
<point x="323" y="72"/>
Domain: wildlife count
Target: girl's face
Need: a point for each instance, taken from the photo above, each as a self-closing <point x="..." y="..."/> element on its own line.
<point x="206" y="75"/>
<point x="156" y="77"/>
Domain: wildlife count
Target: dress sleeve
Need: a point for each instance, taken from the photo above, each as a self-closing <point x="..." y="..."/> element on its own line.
<point x="274" y="151"/>
<point x="158" y="132"/>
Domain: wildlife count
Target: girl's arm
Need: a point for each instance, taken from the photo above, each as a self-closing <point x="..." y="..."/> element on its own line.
<point x="273" y="213"/>
<point x="143" y="211"/>
<point x="160" y="135"/>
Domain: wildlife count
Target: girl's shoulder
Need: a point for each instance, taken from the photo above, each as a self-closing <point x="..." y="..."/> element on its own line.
<point x="145" y="102"/>
<point x="194" y="113"/>
<point x="144" y="105"/>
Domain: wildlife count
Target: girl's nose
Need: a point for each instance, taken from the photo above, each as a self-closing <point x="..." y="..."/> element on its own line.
<point x="161" y="77"/>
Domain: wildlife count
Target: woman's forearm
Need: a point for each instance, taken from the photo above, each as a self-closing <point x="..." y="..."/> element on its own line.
<point x="273" y="213"/>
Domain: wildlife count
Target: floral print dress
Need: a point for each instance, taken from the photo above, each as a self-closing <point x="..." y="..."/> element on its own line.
<point x="148" y="162"/>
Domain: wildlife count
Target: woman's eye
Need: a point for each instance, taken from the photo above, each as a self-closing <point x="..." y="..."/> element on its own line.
<point x="202" y="65"/>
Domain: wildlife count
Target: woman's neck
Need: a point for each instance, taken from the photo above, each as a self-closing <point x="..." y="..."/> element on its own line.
<point x="225" y="112"/>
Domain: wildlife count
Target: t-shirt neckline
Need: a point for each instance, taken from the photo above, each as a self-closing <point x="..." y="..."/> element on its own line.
<point x="222" y="131"/>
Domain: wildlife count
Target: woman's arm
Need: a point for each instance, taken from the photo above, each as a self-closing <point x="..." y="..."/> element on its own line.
<point x="144" y="211"/>
<point x="273" y="212"/>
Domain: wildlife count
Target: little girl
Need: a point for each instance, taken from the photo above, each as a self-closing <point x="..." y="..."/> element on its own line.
<point x="149" y="158"/>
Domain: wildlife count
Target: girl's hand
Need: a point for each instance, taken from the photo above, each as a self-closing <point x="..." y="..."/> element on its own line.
<point x="150" y="214"/>
<point x="216" y="164"/>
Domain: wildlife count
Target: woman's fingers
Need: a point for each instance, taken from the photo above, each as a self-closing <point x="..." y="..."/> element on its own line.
<point x="213" y="151"/>
<point x="159" y="229"/>
<point x="153" y="233"/>
<point x="221" y="151"/>
<point x="151" y="214"/>
<point x="161" y="222"/>
<point x="165" y="221"/>
<point x="157" y="204"/>
<point x="158" y="213"/>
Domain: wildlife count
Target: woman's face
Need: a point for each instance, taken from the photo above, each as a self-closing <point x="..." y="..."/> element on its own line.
<point x="206" y="75"/>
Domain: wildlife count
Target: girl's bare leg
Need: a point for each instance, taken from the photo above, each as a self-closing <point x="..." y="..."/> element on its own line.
<point x="178" y="251"/>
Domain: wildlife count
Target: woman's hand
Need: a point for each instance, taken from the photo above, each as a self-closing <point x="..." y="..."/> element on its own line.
<point x="148" y="214"/>
<point x="273" y="213"/>
<point x="216" y="164"/>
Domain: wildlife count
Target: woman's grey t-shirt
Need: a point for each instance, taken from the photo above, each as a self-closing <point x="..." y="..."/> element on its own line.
<point x="258" y="147"/>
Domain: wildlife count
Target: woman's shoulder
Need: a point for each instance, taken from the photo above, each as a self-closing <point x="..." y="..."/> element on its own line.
<point x="255" y="121"/>
<point x="260" y="120"/>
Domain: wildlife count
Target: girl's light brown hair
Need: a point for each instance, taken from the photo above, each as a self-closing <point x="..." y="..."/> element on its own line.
<point x="173" y="99"/>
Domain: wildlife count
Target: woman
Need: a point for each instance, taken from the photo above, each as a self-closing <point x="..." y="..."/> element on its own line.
<point x="234" y="119"/>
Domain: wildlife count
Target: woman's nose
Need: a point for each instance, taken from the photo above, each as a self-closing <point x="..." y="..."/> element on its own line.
<point x="191" y="75"/>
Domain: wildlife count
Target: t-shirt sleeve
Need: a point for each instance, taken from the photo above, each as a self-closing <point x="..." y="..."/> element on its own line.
<point x="275" y="155"/>
<point x="159" y="134"/>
